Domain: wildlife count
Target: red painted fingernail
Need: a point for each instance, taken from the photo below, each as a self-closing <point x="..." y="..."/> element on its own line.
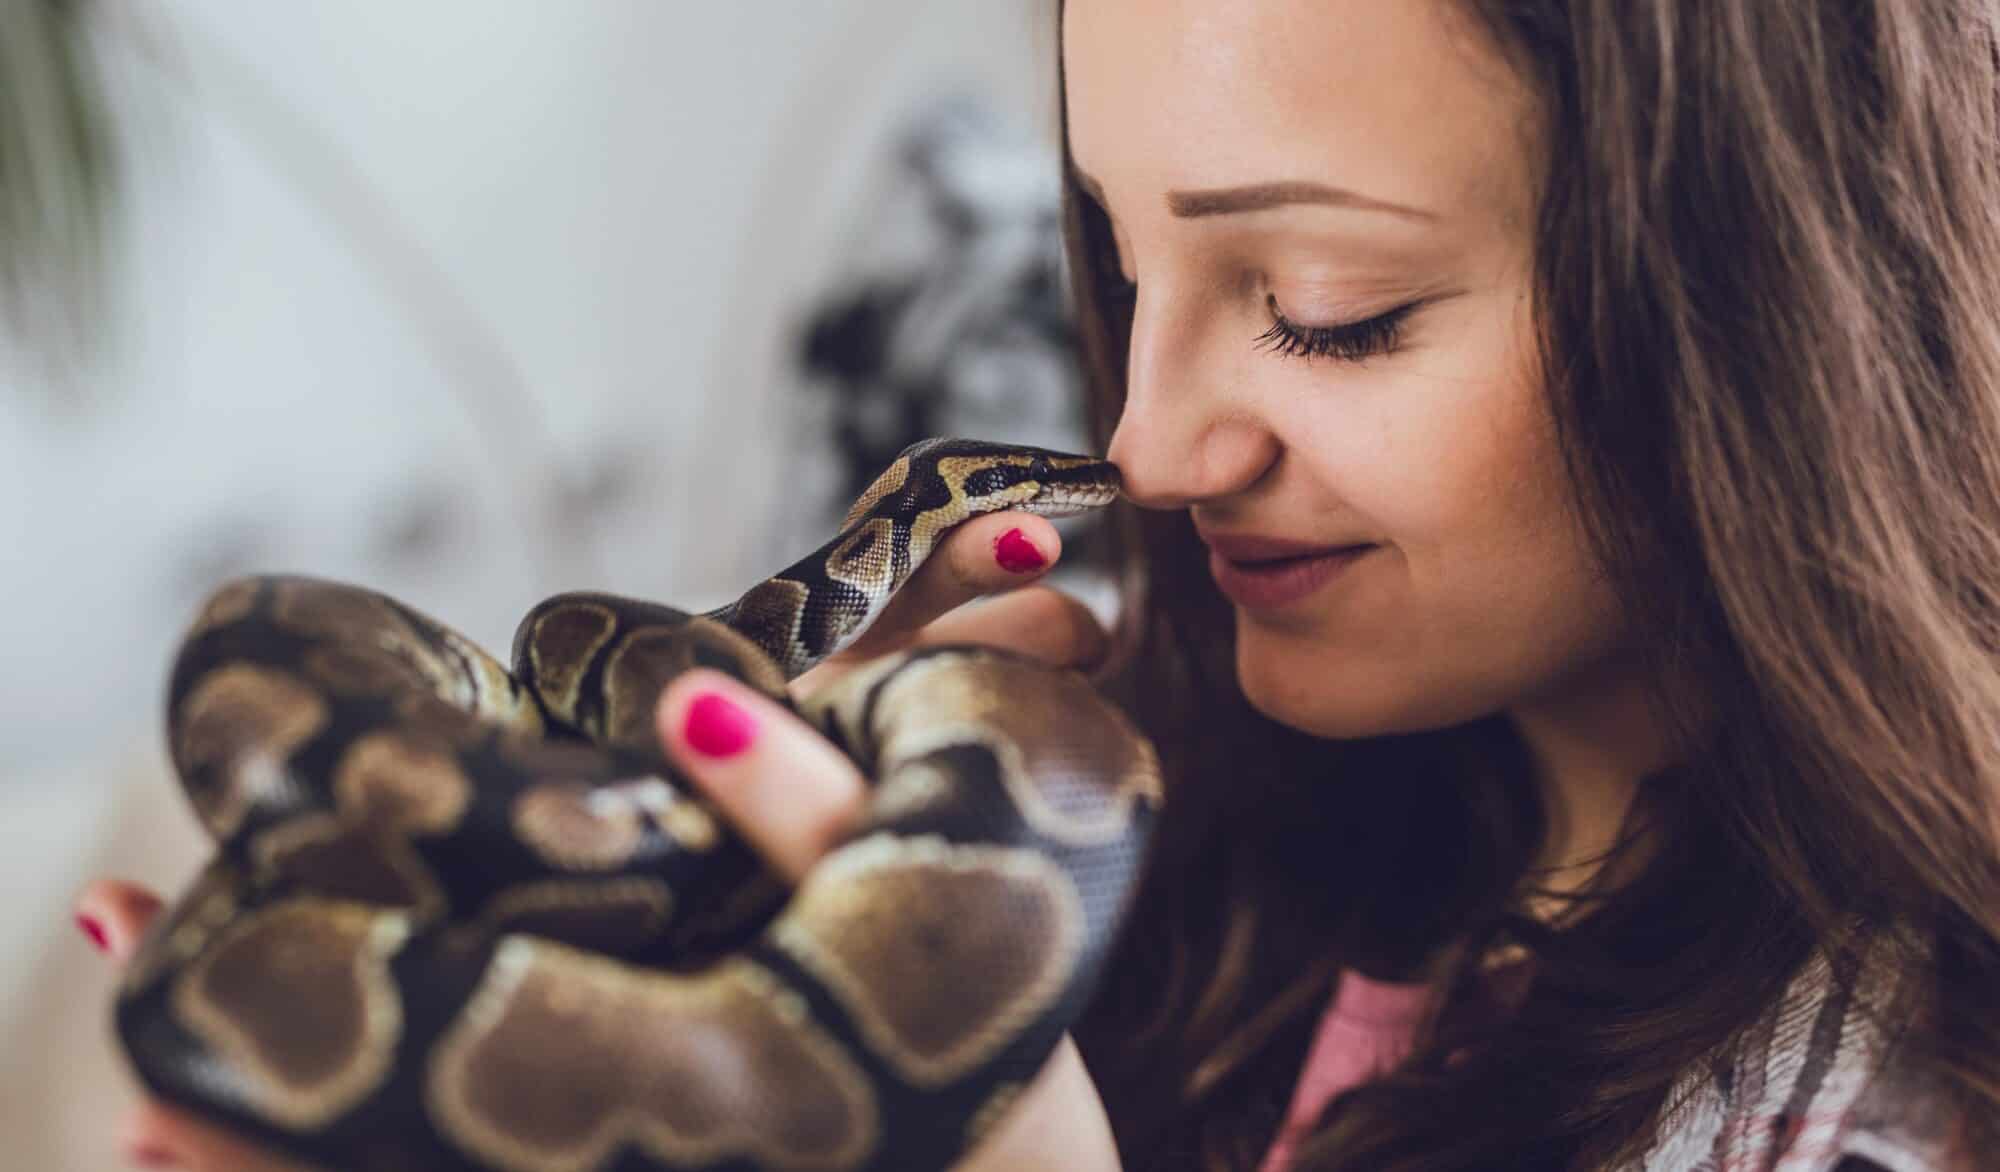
<point x="1016" y="554"/>
<point x="95" y="931"/>
<point x="717" y="727"/>
<point x="150" y="1156"/>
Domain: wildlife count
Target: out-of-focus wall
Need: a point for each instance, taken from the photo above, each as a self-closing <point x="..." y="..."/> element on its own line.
<point x="469" y="300"/>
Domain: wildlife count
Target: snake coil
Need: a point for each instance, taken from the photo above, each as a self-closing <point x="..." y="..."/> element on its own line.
<point x="461" y="917"/>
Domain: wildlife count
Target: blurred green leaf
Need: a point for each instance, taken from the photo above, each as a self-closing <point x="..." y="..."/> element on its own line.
<point x="57" y="177"/>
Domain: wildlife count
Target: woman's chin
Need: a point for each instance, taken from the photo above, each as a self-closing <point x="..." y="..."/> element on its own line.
<point x="1294" y="690"/>
<point x="1300" y="686"/>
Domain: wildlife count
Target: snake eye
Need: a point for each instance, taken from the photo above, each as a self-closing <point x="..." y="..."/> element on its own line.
<point x="1039" y="468"/>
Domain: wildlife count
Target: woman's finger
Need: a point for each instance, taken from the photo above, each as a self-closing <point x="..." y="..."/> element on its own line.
<point x="1057" y="1121"/>
<point x="986" y="556"/>
<point x="113" y="914"/>
<point x="1040" y="621"/>
<point x="783" y="786"/>
<point x="996" y="552"/>
<point x="158" y="1136"/>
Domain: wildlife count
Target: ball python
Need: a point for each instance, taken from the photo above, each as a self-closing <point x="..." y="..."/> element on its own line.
<point x="460" y="917"/>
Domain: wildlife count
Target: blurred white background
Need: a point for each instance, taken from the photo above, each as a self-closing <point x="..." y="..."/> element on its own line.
<point x="469" y="300"/>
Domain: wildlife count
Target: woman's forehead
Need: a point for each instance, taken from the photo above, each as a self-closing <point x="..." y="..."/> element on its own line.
<point x="1402" y="102"/>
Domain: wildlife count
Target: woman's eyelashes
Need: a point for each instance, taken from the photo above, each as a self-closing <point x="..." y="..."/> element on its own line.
<point x="1349" y="341"/>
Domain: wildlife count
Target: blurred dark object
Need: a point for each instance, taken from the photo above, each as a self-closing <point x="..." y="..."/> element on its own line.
<point x="952" y="317"/>
<point x="57" y="175"/>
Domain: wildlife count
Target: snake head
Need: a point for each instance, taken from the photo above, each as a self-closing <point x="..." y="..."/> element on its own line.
<point x="993" y="476"/>
<point x="1072" y="484"/>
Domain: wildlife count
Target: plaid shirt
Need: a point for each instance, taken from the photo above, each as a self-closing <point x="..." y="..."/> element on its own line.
<point x="1818" y="1084"/>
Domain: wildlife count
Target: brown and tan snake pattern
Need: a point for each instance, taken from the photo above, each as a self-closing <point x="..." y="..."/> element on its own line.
<point x="466" y="917"/>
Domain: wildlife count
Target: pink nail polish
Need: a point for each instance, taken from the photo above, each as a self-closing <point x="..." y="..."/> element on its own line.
<point x="151" y="1156"/>
<point x="95" y="931"/>
<point x="1016" y="554"/>
<point x="718" y="728"/>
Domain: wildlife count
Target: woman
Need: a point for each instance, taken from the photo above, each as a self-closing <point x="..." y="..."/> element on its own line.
<point x="1623" y="792"/>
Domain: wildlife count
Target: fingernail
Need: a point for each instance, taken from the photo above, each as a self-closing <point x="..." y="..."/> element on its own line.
<point x="716" y="727"/>
<point x="94" y="930"/>
<point x="1016" y="554"/>
<point x="151" y="1156"/>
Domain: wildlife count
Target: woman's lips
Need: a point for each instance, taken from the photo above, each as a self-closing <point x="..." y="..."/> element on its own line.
<point x="1268" y="583"/>
<point x="1246" y="548"/>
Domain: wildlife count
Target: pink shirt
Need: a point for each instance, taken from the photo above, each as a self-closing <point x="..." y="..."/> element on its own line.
<point x="1368" y="1027"/>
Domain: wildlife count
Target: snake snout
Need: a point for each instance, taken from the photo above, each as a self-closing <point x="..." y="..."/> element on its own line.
<point x="1068" y="503"/>
<point x="1083" y="497"/>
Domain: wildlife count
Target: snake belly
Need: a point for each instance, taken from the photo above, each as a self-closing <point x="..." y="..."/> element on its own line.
<point x="461" y="917"/>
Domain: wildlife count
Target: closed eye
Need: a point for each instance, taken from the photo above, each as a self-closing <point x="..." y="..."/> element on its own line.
<point x="1349" y="342"/>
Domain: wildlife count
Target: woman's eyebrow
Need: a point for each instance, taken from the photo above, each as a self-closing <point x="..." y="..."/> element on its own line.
<point x="1222" y="201"/>
<point x="1257" y="197"/>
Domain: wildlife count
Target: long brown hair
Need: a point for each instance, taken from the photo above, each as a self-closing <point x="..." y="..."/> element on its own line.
<point x="1768" y="302"/>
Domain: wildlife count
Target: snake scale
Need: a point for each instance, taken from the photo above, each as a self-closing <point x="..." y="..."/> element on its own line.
<point x="460" y="917"/>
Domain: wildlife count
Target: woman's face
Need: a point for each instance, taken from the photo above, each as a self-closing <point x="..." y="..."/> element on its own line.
<point x="1437" y="448"/>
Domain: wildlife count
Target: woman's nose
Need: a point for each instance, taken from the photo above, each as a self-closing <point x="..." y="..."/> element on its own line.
<point x="1166" y="468"/>
<point x="1180" y="436"/>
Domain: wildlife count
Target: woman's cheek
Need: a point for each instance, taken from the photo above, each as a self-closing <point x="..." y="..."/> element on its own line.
<point x="1526" y="597"/>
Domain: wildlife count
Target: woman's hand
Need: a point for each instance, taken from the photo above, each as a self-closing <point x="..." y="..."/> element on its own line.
<point x="792" y="796"/>
<point x="997" y="554"/>
<point x="115" y="915"/>
<point x="795" y="795"/>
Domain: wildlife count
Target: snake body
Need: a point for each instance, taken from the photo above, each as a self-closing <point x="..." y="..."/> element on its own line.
<point x="461" y="917"/>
